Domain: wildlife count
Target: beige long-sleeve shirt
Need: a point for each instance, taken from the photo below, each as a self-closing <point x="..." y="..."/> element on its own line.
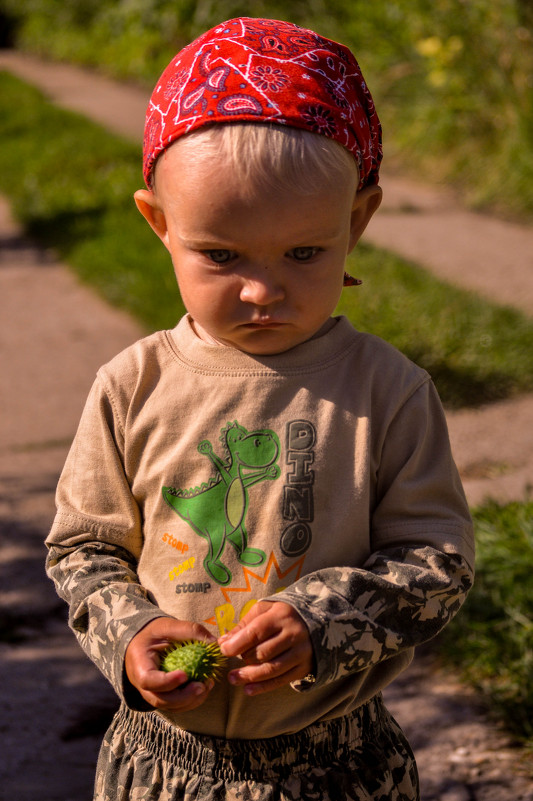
<point x="202" y="479"/>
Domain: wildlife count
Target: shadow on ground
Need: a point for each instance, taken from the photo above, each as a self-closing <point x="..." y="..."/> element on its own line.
<point x="54" y="704"/>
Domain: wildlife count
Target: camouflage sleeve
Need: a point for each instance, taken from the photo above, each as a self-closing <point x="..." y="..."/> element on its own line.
<point x="358" y="617"/>
<point x="107" y="604"/>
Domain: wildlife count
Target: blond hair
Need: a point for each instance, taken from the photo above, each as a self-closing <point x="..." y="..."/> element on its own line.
<point x="273" y="156"/>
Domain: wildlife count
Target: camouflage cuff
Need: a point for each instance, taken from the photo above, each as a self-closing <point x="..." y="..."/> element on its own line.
<point x="358" y="617"/>
<point x="108" y="606"/>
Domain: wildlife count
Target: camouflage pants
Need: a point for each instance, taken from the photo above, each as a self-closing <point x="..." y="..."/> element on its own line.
<point x="361" y="757"/>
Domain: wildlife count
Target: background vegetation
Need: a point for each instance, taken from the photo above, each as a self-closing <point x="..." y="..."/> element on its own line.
<point x="491" y="640"/>
<point x="453" y="79"/>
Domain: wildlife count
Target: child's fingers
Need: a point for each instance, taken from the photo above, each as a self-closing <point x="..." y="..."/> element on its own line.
<point x="274" y="642"/>
<point x="143" y="665"/>
<point x="157" y="681"/>
<point x="183" y="698"/>
<point x="249" y="633"/>
<point x="266" y="630"/>
<point x="272" y="647"/>
<point x="173" y="690"/>
<point x="159" y="632"/>
<point x="267" y="676"/>
<point x="144" y="651"/>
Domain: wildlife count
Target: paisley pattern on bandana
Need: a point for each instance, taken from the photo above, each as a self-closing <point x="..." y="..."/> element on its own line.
<point x="259" y="70"/>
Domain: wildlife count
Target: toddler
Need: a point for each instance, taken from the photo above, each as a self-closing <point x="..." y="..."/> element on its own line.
<point x="263" y="475"/>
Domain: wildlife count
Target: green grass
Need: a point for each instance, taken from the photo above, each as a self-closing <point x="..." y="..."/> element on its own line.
<point x="71" y="183"/>
<point x="491" y="640"/>
<point x="476" y="352"/>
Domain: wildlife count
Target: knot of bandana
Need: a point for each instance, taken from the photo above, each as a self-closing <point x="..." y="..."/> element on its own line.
<point x="260" y="70"/>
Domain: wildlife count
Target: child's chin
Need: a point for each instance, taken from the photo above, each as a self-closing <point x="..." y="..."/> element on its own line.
<point x="268" y="343"/>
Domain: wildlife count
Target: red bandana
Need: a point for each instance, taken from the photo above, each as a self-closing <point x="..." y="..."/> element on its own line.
<point x="261" y="70"/>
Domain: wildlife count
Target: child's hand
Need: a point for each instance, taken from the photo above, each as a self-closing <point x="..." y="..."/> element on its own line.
<point x="274" y="642"/>
<point x="143" y="655"/>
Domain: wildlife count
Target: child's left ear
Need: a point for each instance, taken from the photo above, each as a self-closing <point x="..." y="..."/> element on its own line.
<point x="366" y="203"/>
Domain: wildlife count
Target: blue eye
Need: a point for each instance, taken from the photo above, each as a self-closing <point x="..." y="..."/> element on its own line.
<point x="219" y="256"/>
<point x="304" y="253"/>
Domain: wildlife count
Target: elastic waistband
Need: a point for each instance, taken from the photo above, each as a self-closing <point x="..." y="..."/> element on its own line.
<point x="264" y="759"/>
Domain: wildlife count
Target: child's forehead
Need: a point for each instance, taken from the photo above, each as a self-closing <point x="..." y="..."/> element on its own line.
<point x="255" y="159"/>
<point x="258" y="70"/>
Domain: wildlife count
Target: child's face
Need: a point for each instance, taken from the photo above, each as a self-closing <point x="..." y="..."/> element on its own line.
<point x="260" y="272"/>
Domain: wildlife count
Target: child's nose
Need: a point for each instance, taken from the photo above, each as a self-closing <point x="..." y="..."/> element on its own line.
<point x="262" y="287"/>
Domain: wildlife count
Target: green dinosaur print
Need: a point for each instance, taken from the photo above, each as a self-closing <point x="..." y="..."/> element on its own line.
<point x="217" y="510"/>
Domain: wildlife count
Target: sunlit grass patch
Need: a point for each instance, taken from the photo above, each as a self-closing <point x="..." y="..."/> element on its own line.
<point x="491" y="640"/>
<point x="71" y="184"/>
<point x="475" y="351"/>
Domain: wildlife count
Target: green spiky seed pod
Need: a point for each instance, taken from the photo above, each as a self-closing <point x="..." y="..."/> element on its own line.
<point x="199" y="660"/>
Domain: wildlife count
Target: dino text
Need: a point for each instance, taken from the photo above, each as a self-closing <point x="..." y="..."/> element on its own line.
<point x="298" y="489"/>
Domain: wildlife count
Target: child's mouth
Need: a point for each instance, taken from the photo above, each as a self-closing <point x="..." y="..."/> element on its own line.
<point x="265" y="324"/>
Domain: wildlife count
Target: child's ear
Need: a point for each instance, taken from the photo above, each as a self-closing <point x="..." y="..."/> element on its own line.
<point x="152" y="212"/>
<point x="366" y="203"/>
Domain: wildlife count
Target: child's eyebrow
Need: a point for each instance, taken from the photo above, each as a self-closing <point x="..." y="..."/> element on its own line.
<point x="207" y="244"/>
<point x="304" y="239"/>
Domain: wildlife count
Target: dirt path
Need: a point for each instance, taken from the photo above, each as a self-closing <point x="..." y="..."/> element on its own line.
<point x="54" y="704"/>
<point x="54" y="334"/>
